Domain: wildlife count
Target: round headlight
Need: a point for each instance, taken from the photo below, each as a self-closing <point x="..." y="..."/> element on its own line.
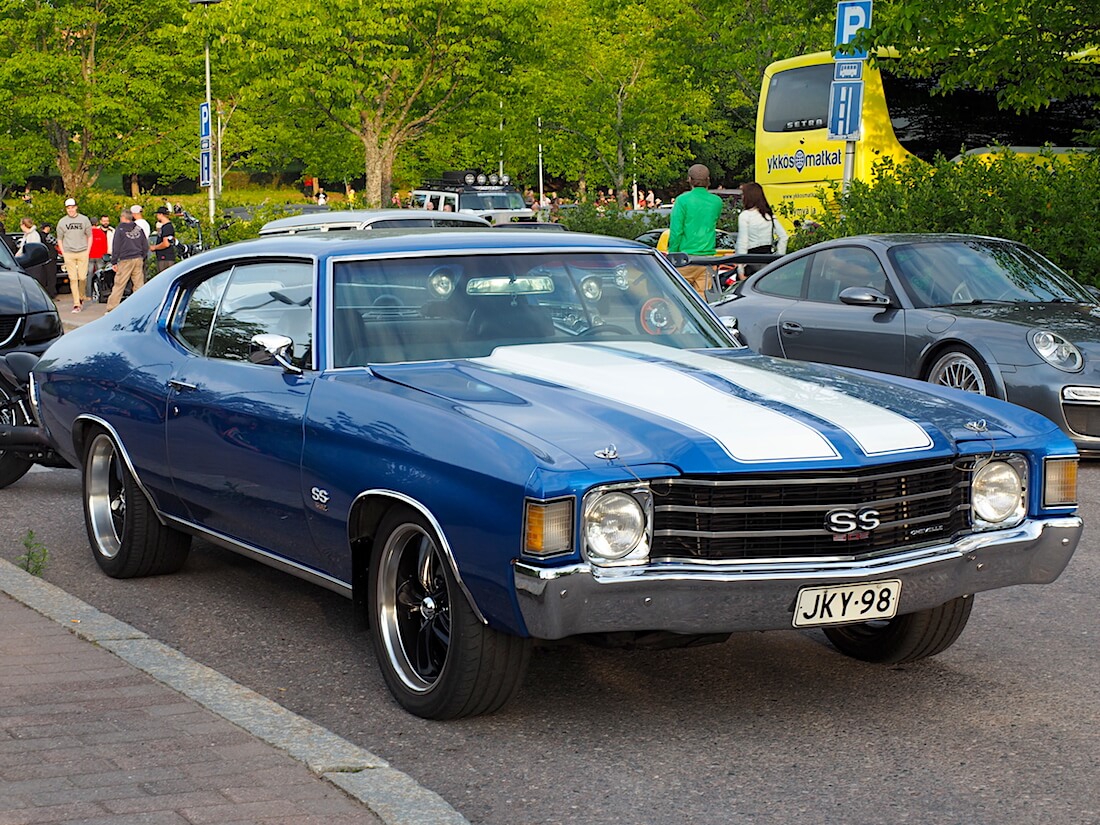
<point x="481" y="180"/>
<point x="591" y="289"/>
<point x="614" y="524"/>
<point x="996" y="492"/>
<point x="493" y="179"/>
<point x="505" y="179"/>
<point x="1056" y="350"/>
<point x="470" y="178"/>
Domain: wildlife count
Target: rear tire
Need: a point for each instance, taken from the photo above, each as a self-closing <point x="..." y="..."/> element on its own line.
<point x="127" y="538"/>
<point x="904" y="638"/>
<point x="438" y="659"/>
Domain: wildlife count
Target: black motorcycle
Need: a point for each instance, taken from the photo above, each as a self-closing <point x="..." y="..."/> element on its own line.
<point x="22" y="442"/>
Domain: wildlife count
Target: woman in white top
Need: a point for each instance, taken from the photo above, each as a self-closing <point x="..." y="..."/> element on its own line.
<point x="30" y="235"/>
<point x="757" y="228"/>
<point x="756" y="225"/>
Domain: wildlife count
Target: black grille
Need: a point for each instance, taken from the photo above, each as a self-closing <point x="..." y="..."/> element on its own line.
<point x="1081" y="418"/>
<point x="783" y="515"/>
<point x="8" y="326"/>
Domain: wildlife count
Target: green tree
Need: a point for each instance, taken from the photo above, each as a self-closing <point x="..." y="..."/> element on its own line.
<point x="81" y="82"/>
<point x="1017" y="47"/>
<point x="382" y="71"/>
<point x="608" y="105"/>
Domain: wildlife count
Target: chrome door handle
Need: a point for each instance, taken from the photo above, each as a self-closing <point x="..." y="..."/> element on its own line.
<point x="791" y="328"/>
<point x="181" y="385"/>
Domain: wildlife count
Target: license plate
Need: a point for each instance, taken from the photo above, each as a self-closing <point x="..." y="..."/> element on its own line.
<point x="840" y="604"/>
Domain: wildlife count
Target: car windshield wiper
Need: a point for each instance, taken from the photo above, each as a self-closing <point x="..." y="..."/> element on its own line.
<point x="980" y="301"/>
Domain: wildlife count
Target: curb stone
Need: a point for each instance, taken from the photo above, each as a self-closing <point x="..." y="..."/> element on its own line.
<point x="394" y="796"/>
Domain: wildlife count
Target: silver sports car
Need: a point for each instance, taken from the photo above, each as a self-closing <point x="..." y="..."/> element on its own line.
<point x="981" y="314"/>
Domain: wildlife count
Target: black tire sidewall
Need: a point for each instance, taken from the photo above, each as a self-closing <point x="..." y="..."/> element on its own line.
<point x="444" y="699"/>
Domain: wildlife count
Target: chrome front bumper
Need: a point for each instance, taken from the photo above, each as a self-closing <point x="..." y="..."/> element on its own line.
<point x="695" y="598"/>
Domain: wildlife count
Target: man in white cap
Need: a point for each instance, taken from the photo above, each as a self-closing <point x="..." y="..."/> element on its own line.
<point x="74" y="233"/>
<point x="136" y="210"/>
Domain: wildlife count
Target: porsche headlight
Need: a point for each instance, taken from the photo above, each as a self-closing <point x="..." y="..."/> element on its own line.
<point x="997" y="493"/>
<point x="617" y="525"/>
<point x="1056" y="350"/>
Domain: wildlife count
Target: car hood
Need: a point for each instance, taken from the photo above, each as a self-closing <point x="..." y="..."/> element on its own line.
<point x="709" y="411"/>
<point x="1079" y="323"/>
<point x="20" y="294"/>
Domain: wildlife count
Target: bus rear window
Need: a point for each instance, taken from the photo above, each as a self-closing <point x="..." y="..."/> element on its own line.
<point x="926" y="123"/>
<point x="798" y="99"/>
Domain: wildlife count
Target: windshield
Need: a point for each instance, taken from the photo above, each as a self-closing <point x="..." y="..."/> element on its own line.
<point x="7" y="260"/>
<point x="946" y="273"/>
<point x="425" y="309"/>
<point x="478" y="201"/>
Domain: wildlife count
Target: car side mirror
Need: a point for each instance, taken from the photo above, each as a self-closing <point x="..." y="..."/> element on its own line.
<point x="678" y="259"/>
<point x="865" y="296"/>
<point x="33" y="254"/>
<point x="272" y="350"/>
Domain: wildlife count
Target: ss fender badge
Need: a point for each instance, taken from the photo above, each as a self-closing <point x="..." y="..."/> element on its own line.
<point x="320" y="498"/>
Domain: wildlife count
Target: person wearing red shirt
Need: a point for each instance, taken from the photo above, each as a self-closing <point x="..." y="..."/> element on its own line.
<point x="99" y="247"/>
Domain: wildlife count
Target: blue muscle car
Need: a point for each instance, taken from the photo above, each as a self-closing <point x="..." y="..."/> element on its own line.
<point x="486" y="439"/>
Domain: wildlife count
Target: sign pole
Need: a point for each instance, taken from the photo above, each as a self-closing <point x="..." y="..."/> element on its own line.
<point x="206" y="165"/>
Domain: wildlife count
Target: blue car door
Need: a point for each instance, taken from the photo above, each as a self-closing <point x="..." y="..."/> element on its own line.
<point x="234" y="427"/>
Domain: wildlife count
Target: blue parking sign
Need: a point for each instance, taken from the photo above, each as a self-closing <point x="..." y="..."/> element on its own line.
<point x="851" y="16"/>
<point x="845" y="109"/>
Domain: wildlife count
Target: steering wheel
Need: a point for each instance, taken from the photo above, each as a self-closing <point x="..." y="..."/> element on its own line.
<point x="603" y="329"/>
<point x="962" y="294"/>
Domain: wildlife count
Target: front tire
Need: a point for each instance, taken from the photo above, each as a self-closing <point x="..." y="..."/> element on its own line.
<point x="13" y="466"/>
<point x="904" y="638"/>
<point x="127" y="538"/>
<point x="962" y="370"/>
<point x="438" y="659"/>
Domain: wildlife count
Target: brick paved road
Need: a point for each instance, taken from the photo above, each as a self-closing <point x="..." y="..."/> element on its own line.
<point x="86" y="737"/>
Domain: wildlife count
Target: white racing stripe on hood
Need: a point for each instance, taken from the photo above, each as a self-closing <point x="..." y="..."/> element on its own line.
<point x="746" y="431"/>
<point x="876" y="430"/>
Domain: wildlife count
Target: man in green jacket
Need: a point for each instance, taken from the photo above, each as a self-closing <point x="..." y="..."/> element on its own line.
<point x="694" y="219"/>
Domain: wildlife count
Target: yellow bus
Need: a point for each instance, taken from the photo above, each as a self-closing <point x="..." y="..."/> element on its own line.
<point x="901" y="117"/>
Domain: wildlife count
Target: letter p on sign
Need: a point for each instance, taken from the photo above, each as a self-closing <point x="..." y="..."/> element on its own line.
<point x="851" y="16"/>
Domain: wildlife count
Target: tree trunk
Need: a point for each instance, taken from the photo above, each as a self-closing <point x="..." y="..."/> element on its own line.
<point x="375" y="170"/>
<point x="135" y="188"/>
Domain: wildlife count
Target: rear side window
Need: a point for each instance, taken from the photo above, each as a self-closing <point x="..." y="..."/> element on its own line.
<point x="786" y="281"/>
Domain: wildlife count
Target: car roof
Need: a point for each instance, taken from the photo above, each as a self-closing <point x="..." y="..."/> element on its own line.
<point x="362" y="218"/>
<point x="420" y="239"/>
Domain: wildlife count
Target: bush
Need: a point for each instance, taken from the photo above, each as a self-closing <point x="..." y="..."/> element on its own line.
<point x="611" y="220"/>
<point x="1049" y="203"/>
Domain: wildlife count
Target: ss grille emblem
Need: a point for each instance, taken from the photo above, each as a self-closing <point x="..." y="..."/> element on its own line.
<point x="843" y="522"/>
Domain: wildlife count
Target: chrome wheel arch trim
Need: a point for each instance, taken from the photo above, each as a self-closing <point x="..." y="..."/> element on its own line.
<point x="443" y="544"/>
<point x="120" y="448"/>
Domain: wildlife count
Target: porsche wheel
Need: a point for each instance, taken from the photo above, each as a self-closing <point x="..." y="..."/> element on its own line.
<point x="437" y="658"/>
<point x="961" y="370"/>
<point x="13" y="466"/>
<point x="904" y="638"/>
<point x="127" y="538"/>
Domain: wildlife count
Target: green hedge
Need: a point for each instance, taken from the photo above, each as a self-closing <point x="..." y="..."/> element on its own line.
<point x="1051" y="203"/>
